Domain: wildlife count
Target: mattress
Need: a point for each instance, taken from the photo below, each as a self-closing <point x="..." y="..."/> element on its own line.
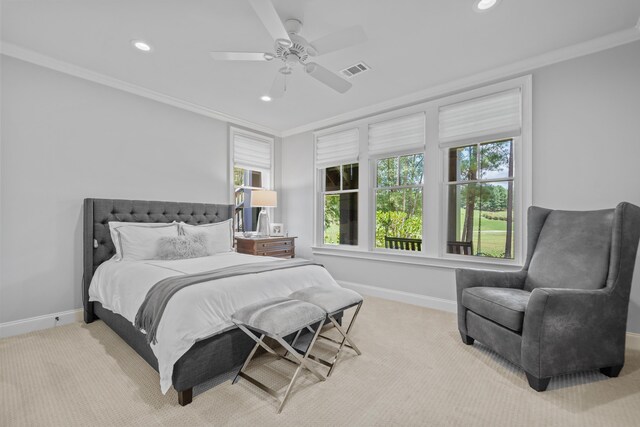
<point x="199" y="311"/>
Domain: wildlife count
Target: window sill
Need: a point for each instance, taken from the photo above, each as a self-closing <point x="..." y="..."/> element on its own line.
<point x="452" y="262"/>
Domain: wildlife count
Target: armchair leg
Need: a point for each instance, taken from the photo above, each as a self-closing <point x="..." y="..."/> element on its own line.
<point x="538" y="384"/>
<point x="466" y="338"/>
<point x="611" y="371"/>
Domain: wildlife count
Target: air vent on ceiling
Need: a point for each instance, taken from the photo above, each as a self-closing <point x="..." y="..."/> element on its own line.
<point x="353" y="70"/>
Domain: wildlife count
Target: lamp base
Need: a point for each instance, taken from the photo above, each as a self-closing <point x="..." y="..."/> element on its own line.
<point x="262" y="230"/>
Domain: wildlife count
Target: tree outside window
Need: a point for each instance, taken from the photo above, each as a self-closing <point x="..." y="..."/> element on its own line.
<point x="398" y="193"/>
<point x="481" y="199"/>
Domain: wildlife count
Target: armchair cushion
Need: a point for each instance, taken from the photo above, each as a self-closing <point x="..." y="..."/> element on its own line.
<point x="573" y="251"/>
<point x="505" y="306"/>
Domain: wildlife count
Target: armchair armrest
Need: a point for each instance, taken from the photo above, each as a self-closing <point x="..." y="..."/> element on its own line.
<point x="569" y="330"/>
<point x="469" y="278"/>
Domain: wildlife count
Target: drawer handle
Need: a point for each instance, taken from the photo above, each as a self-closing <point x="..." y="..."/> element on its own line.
<point x="264" y="245"/>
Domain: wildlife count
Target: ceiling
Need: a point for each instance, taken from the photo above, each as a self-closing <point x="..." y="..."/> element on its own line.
<point x="412" y="45"/>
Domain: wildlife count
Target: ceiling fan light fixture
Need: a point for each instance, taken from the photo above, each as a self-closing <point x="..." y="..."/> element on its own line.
<point x="286" y="43"/>
<point x="269" y="56"/>
<point x="265" y="98"/>
<point x="141" y="45"/>
<point x="484" y="5"/>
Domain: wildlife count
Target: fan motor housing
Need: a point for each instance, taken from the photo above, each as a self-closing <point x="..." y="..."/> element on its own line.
<point x="298" y="49"/>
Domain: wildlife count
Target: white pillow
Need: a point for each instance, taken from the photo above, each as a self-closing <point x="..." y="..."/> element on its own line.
<point x="219" y="235"/>
<point x="138" y="243"/>
<point x="114" y="235"/>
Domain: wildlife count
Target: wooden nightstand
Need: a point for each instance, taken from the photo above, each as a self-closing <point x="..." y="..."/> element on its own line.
<point x="281" y="247"/>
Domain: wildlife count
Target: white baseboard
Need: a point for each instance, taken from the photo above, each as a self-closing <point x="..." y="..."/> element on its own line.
<point x="47" y="321"/>
<point x="633" y="339"/>
<point x="401" y="296"/>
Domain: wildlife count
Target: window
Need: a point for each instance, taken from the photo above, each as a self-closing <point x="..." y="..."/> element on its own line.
<point x="244" y="180"/>
<point x="252" y="160"/>
<point x="337" y="163"/>
<point x="481" y="209"/>
<point x="396" y="148"/>
<point x="444" y="182"/>
<point x="341" y="205"/>
<point x="398" y="202"/>
<point x="481" y="176"/>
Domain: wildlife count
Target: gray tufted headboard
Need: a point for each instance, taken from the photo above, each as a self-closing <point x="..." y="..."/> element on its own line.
<point x="97" y="244"/>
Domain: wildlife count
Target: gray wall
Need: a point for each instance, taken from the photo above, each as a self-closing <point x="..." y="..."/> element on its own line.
<point x="586" y="149"/>
<point x="64" y="139"/>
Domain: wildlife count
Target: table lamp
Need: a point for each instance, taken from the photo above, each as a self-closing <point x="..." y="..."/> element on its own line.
<point x="263" y="199"/>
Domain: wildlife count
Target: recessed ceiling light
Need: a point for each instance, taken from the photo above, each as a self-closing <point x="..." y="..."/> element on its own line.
<point x="484" y="5"/>
<point x="265" y="98"/>
<point x="141" y="45"/>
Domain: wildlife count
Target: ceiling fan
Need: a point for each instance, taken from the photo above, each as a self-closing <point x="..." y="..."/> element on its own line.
<point x="293" y="49"/>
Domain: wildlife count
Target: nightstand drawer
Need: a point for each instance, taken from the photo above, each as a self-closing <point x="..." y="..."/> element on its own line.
<point x="278" y="244"/>
<point x="284" y="253"/>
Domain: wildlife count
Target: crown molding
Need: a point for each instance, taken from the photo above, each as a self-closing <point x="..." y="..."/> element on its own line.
<point x="15" y="51"/>
<point x="608" y="41"/>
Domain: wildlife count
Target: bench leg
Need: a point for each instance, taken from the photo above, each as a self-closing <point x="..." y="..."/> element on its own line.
<point x="246" y="362"/>
<point x="301" y="360"/>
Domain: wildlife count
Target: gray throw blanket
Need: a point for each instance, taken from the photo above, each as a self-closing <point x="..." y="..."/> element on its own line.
<point x="152" y="308"/>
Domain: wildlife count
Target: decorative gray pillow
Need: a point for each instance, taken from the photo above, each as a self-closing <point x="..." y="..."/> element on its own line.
<point x="183" y="247"/>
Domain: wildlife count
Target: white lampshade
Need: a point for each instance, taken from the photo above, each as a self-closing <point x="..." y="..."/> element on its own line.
<point x="264" y="199"/>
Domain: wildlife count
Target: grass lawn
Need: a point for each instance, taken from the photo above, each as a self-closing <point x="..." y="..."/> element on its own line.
<point x="492" y="236"/>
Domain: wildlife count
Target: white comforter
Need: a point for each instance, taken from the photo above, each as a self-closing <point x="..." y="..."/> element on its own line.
<point x="198" y="311"/>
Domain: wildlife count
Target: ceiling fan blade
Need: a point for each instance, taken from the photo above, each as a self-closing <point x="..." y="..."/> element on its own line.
<point x="241" y="56"/>
<point x="278" y="87"/>
<point x="325" y="76"/>
<point x="342" y="39"/>
<point x="269" y="17"/>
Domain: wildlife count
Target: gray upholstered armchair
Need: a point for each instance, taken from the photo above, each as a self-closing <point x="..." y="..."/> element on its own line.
<point x="566" y="310"/>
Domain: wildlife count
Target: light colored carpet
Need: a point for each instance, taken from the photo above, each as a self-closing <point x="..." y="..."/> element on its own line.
<point x="414" y="371"/>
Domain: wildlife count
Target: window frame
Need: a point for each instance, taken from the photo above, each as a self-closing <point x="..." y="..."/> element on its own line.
<point x="319" y="186"/>
<point x="323" y="192"/>
<point x="268" y="175"/>
<point x="435" y="181"/>
<point x="448" y="184"/>
<point x="373" y="174"/>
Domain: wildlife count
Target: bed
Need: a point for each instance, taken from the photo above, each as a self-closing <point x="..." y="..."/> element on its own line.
<point x="206" y="358"/>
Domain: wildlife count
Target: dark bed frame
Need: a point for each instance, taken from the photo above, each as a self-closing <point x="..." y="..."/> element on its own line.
<point x="208" y="359"/>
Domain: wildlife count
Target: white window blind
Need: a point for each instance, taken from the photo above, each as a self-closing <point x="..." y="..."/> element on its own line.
<point x="251" y="153"/>
<point x="496" y="114"/>
<point x="337" y="148"/>
<point x="397" y="135"/>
